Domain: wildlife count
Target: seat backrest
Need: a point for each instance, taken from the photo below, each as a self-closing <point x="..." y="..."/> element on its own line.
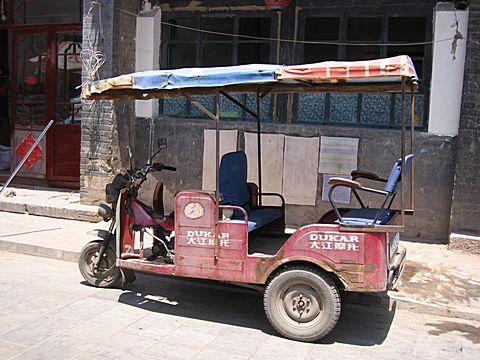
<point x="233" y="179"/>
<point x="394" y="177"/>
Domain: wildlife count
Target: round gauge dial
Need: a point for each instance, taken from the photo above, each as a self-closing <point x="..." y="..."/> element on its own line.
<point x="194" y="210"/>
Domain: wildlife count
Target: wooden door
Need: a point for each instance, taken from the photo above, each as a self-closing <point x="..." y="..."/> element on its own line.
<point x="47" y="70"/>
<point x="63" y="142"/>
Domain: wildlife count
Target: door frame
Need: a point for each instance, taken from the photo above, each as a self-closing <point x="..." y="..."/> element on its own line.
<point x="50" y="95"/>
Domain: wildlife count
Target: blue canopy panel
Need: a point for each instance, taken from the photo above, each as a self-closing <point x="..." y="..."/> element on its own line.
<point x="204" y="77"/>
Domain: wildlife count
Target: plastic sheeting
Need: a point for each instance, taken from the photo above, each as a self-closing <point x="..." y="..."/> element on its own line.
<point x="388" y="69"/>
<point x="205" y="77"/>
<point x="371" y="71"/>
<point x="188" y="78"/>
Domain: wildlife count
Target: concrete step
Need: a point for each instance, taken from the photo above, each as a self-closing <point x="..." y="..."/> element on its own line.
<point x="37" y="250"/>
<point x="50" y="237"/>
<point x="56" y="203"/>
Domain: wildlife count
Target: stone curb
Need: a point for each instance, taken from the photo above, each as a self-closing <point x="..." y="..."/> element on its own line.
<point x="54" y="212"/>
<point x="433" y="309"/>
<point x="391" y="299"/>
<point x="42" y="251"/>
<point x="466" y="243"/>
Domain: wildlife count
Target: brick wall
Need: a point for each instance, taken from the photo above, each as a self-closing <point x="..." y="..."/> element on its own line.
<point x="466" y="196"/>
<point x="106" y="125"/>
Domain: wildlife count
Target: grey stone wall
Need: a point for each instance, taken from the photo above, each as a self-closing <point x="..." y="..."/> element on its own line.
<point x="106" y="125"/>
<point x="378" y="149"/>
<point x="466" y="194"/>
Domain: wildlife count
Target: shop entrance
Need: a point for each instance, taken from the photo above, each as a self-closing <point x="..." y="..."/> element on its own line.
<point x="46" y="71"/>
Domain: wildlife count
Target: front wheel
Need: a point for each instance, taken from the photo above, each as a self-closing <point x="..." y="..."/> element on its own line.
<point x="302" y="303"/>
<point x="107" y="274"/>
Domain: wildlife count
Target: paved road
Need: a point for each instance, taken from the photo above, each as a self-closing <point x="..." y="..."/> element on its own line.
<point x="47" y="312"/>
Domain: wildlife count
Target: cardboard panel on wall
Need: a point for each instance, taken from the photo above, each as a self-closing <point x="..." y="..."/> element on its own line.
<point x="300" y="172"/>
<point x="272" y="164"/>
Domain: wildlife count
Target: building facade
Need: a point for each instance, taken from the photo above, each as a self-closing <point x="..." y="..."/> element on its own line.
<point x="216" y="33"/>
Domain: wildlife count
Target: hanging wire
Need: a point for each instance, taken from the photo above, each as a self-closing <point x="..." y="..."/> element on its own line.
<point x="458" y="35"/>
<point x="260" y="38"/>
<point x="92" y="59"/>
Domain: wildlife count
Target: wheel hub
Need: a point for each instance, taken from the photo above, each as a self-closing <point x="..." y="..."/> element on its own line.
<point x="301" y="304"/>
<point x="102" y="270"/>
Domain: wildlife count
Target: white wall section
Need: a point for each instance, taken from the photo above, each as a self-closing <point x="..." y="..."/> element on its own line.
<point x="447" y="72"/>
<point x="147" y="55"/>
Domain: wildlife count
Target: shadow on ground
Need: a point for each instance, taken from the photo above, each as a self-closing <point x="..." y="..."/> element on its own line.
<point x="364" y="320"/>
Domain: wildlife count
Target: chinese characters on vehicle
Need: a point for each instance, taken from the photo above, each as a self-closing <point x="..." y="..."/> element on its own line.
<point x="334" y="242"/>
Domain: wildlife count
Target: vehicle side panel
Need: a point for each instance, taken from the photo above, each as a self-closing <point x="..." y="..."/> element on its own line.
<point x="358" y="259"/>
<point x="195" y="239"/>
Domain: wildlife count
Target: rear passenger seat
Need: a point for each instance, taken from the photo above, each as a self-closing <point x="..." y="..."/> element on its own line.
<point x="234" y="189"/>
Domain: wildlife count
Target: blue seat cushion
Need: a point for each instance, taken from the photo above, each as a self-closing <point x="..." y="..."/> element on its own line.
<point x="261" y="217"/>
<point x="233" y="179"/>
<point x="365" y="216"/>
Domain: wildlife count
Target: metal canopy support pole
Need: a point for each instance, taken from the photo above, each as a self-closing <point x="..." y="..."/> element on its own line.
<point x="402" y="175"/>
<point x="151" y="125"/>
<point x="412" y="139"/>
<point x="259" y="151"/>
<point x="201" y="107"/>
<point x="217" y="172"/>
<point x="215" y="117"/>
<point x="238" y="103"/>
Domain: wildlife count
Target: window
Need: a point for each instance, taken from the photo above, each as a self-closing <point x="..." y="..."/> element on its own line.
<point x="44" y="12"/>
<point x="365" y="36"/>
<point x="363" y="30"/>
<point x="254" y="51"/>
<point x="189" y="48"/>
<point x="181" y="49"/>
<point x="325" y="29"/>
<point x="412" y="30"/>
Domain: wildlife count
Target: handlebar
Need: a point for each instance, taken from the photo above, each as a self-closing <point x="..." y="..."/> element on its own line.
<point x="160" y="167"/>
<point x="141" y="174"/>
<point x="148" y="168"/>
<point x="171" y="168"/>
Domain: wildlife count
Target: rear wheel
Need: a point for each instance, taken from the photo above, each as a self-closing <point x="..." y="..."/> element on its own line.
<point x="107" y="274"/>
<point x="302" y="303"/>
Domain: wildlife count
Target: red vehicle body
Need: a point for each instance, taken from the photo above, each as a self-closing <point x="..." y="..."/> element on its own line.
<point x="359" y="260"/>
<point x="302" y="271"/>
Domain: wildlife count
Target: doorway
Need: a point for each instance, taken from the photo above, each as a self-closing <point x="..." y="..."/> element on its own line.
<point x="46" y="73"/>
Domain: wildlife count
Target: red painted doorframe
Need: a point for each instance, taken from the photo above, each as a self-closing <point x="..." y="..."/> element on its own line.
<point x="50" y="100"/>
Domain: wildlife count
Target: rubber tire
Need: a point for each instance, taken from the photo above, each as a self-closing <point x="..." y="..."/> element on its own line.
<point x="113" y="279"/>
<point x="326" y="295"/>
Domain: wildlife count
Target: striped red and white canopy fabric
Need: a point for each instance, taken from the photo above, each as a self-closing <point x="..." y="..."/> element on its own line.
<point x="387" y="69"/>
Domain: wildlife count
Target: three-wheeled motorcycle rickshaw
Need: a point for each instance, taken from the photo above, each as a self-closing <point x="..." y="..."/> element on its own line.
<point x="228" y="235"/>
